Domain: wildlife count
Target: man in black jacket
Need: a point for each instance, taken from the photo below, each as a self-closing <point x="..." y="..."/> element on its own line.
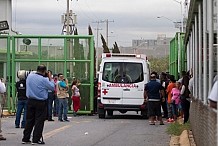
<point x="21" y="103"/>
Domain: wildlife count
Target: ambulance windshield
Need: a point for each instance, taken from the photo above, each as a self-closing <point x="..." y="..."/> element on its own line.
<point x="123" y="72"/>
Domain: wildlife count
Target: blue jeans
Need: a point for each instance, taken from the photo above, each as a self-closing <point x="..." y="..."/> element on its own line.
<point x="50" y="103"/>
<point x="21" y="105"/>
<point x="56" y="105"/>
<point x="62" y="108"/>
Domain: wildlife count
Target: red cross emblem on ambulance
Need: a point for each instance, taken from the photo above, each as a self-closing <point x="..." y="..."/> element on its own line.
<point x="105" y="91"/>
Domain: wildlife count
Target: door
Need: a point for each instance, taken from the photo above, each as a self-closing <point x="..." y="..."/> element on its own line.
<point x="111" y="92"/>
<point x="133" y="91"/>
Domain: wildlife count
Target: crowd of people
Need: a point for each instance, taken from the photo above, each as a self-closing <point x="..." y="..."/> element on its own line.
<point x="43" y="91"/>
<point x="39" y="92"/>
<point x="164" y="93"/>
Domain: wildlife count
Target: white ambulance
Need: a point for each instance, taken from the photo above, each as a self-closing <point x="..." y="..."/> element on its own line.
<point x="121" y="83"/>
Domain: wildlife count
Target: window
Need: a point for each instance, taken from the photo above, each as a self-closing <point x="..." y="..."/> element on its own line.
<point x="126" y="72"/>
<point x="111" y="71"/>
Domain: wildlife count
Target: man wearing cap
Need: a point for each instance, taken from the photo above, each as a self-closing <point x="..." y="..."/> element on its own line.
<point x="154" y="94"/>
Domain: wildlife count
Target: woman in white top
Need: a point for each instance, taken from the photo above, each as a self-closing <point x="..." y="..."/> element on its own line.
<point x="75" y="96"/>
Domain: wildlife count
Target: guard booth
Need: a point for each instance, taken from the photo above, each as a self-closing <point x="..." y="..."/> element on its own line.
<point x="71" y="55"/>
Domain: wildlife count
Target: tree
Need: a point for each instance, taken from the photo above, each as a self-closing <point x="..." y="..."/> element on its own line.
<point x="104" y="45"/>
<point x="78" y="53"/>
<point x="90" y="33"/>
<point x="159" y="64"/>
<point x="116" y="48"/>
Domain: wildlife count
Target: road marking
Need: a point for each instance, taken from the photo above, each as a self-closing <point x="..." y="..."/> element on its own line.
<point x="53" y="132"/>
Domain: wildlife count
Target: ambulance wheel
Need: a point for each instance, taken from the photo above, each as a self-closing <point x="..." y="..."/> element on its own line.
<point x="110" y="112"/>
<point x="101" y="114"/>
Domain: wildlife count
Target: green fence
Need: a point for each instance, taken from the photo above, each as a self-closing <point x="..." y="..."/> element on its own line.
<point x="178" y="61"/>
<point x="71" y="55"/>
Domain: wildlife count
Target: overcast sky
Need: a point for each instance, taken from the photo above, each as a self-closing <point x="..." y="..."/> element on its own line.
<point x="133" y="19"/>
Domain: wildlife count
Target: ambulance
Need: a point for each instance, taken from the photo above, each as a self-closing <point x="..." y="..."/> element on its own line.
<point x="121" y="81"/>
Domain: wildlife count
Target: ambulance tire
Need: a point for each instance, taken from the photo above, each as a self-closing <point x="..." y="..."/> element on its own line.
<point x="101" y="114"/>
<point x="110" y="112"/>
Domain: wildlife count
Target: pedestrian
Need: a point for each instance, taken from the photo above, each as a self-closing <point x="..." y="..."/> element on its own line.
<point x="169" y="98"/>
<point x="184" y="73"/>
<point x="56" y="101"/>
<point x="21" y="102"/>
<point x="62" y="88"/>
<point x="176" y="103"/>
<point x="37" y="85"/>
<point x="75" y="96"/>
<point x="154" y="94"/>
<point x="2" y="100"/>
<point x="164" y="82"/>
<point x="213" y="96"/>
<point x="51" y="97"/>
<point x="185" y="98"/>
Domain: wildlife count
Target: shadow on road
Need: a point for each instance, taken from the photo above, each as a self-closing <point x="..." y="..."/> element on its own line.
<point x="125" y="116"/>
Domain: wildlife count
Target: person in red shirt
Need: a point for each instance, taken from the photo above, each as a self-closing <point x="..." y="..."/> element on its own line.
<point x="169" y="98"/>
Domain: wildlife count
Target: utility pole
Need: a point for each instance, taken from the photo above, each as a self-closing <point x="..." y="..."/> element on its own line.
<point x="97" y="51"/>
<point x="97" y="29"/>
<point x="69" y="20"/>
<point x="68" y="17"/>
<point x="107" y="25"/>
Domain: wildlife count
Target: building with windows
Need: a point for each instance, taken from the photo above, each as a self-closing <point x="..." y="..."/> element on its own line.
<point x="151" y="47"/>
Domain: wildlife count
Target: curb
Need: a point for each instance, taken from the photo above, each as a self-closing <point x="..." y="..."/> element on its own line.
<point x="185" y="139"/>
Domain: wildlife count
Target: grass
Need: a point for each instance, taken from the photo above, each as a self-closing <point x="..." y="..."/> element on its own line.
<point x="177" y="129"/>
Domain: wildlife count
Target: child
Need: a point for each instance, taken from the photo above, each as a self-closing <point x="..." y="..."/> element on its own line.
<point x="176" y="99"/>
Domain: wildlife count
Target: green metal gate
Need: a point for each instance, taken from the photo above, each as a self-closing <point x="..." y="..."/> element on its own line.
<point x="71" y="55"/>
<point x="178" y="61"/>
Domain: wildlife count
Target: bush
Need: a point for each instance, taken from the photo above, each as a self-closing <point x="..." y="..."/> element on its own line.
<point x="177" y="129"/>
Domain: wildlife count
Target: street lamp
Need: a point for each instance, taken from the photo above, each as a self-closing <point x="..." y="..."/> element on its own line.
<point x="176" y="23"/>
<point x="180" y="2"/>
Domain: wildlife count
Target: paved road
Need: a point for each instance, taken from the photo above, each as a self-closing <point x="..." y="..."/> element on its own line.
<point x="119" y="130"/>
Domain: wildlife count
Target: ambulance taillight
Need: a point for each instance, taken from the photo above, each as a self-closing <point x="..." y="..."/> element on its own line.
<point x="99" y="89"/>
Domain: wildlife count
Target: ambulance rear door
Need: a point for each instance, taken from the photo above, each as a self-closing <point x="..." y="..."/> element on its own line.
<point x="111" y="93"/>
<point x="133" y="88"/>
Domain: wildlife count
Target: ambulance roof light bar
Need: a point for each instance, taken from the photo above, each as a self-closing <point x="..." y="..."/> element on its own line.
<point x="124" y="55"/>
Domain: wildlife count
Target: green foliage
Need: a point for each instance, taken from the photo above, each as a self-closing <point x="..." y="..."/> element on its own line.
<point x="159" y="64"/>
<point x="116" y="48"/>
<point x="104" y="45"/>
<point x="79" y="67"/>
<point x="90" y="33"/>
<point x="177" y="129"/>
<point x="90" y="30"/>
<point x="75" y="32"/>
